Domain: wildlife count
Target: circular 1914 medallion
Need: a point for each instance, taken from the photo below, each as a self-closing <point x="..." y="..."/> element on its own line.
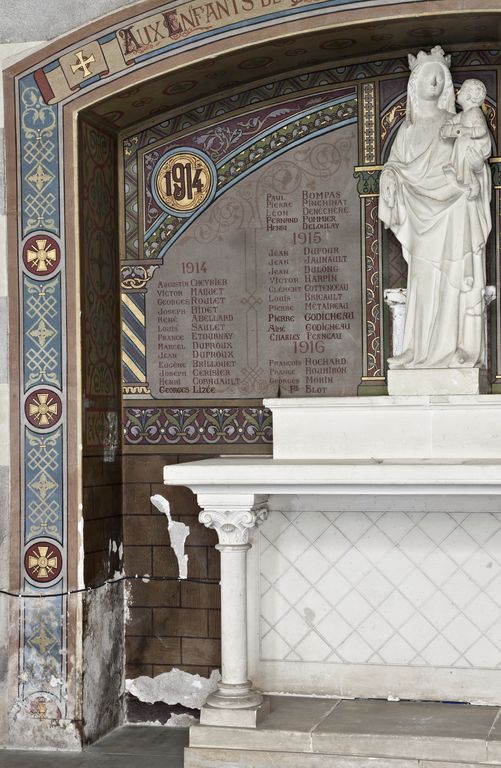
<point x="43" y="561"/>
<point x="183" y="181"/>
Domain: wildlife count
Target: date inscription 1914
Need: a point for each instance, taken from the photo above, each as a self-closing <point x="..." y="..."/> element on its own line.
<point x="183" y="183"/>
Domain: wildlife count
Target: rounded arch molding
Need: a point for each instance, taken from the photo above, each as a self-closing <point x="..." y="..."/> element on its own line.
<point x="188" y="54"/>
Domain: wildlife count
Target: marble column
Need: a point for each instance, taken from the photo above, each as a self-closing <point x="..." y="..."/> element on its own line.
<point x="235" y="703"/>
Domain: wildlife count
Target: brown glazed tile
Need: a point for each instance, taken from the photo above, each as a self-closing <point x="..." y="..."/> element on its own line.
<point x="200" y="651"/>
<point x="155" y="593"/>
<point x="95" y="536"/>
<point x="142" y="530"/>
<point x="180" y="622"/>
<point x="137" y="561"/>
<point x="182" y="501"/>
<point x="214" y="624"/>
<point x="164" y="562"/>
<point x="136" y="670"/>
<point x="136" y="468"/>
<point x="185" y="457"/>
<point x="199" y="535"/>
<point x="214" y="563"/>
<point x="200" y="595"/>
<point x="88" y="504"/>
<point x="136" y="499"/>
<point x="153" y="650"/>
<point x="112" y="471"/>
<point x="197" y="562"/>
<point x="140" y="622"/>
<point x="92" y="471"/>
<point x="104" y="504"/>
<point x="96" y="568"/>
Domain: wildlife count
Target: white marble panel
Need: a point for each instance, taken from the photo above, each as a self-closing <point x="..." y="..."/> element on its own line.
<point x="381" y="589"/>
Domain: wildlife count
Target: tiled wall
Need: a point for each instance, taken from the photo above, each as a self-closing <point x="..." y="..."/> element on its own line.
<point x="416" y="591"/>
<point x="172" y="623"/>
<point x="100" y="355"/>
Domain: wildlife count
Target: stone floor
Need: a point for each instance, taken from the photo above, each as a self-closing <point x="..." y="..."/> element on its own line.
<point x="132" y="746"/>
<point x="303" y="733"/>
<point x="325" y="733"/>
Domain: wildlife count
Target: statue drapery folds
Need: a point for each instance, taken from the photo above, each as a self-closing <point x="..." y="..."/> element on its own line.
<point x="435" y="194"/>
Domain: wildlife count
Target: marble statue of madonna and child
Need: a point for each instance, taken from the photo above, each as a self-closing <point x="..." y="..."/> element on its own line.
<point x="435" y="192"/>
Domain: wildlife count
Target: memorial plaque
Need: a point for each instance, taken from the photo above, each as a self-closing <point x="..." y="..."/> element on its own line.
<point x="262" y="294"/>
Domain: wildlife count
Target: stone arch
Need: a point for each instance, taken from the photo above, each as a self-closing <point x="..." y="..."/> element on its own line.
<point x="45" y="94"/>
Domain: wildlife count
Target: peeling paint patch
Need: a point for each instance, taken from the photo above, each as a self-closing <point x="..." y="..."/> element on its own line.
<point x="103" y="660"/>
<point x="178" y="533"/>
<point x="127" y="588"/>
<point x="42" y="731"/>
<point x="182" y="720"/>
<point x="174" y="687"/>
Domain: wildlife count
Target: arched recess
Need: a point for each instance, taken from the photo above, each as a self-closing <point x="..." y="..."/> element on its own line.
<point x="57" y="691"/>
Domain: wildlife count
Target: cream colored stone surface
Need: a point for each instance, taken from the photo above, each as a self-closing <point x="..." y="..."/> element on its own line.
<point x="234" y="718"/>
<point x="218" y="758"/>
<point x="418" y="427"/>
<point x="3" y="255"/>
<point x="287" y="726"/>
<point x="437" y="381"/>
<point x="4" y="425"/>
<point x="354" y="734"/>
<point x="406" y="730"/>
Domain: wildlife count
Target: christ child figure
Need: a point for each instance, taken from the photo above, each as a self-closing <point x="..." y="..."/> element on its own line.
<point x="471" y="138"/>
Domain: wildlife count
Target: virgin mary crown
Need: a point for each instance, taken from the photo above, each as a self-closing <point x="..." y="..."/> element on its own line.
<point x="435" y="55"/>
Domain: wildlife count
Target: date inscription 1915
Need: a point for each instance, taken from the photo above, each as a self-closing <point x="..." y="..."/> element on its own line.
<point x="184" y="182"/>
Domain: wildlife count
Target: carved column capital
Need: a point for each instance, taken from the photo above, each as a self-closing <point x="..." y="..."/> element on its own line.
<point x="232" y="517"/>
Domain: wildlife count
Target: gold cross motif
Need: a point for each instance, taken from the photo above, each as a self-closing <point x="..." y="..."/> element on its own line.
<point x="44" y="410"/>
<point x="83" y="64"/>
<point x="42" y="333"/>
<point x="44" y="486"/>
<point x="42" y="256"/>
<point x="43" y="563"/>
<point x="40" y="178"/>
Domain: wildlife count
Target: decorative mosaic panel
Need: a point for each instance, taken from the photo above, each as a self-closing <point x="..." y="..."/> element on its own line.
<point x="413" y="589"/>
<point x="42" y="676"/>
<point x="39" y="153"/>
<point x="197" y="426"/>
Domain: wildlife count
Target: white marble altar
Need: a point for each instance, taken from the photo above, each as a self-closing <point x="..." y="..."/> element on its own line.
<point x="376" y="554"/>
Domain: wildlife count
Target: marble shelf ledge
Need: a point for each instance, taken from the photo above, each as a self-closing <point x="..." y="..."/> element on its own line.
<point x="263" y="476"/>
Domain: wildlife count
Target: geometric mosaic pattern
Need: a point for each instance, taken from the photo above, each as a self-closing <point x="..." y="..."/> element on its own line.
<point x="44" y="485"/>
<point x="42" y="338"/>
<point x="42" y="670"/>
<point x="39" y="150"/>
<point x="414" y="589"/>
<point x="197" y="426"/>
<point x="43" y="662"/>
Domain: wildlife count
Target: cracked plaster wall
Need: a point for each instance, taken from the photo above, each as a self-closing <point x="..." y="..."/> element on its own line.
<point x="103" y="661"/>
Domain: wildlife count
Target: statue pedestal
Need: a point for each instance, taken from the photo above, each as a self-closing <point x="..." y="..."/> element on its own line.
<point x="438" y="381"/>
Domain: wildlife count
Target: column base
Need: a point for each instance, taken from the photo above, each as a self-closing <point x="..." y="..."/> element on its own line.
<point x="230" y="696"/>
<point x="248" y="717"/>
